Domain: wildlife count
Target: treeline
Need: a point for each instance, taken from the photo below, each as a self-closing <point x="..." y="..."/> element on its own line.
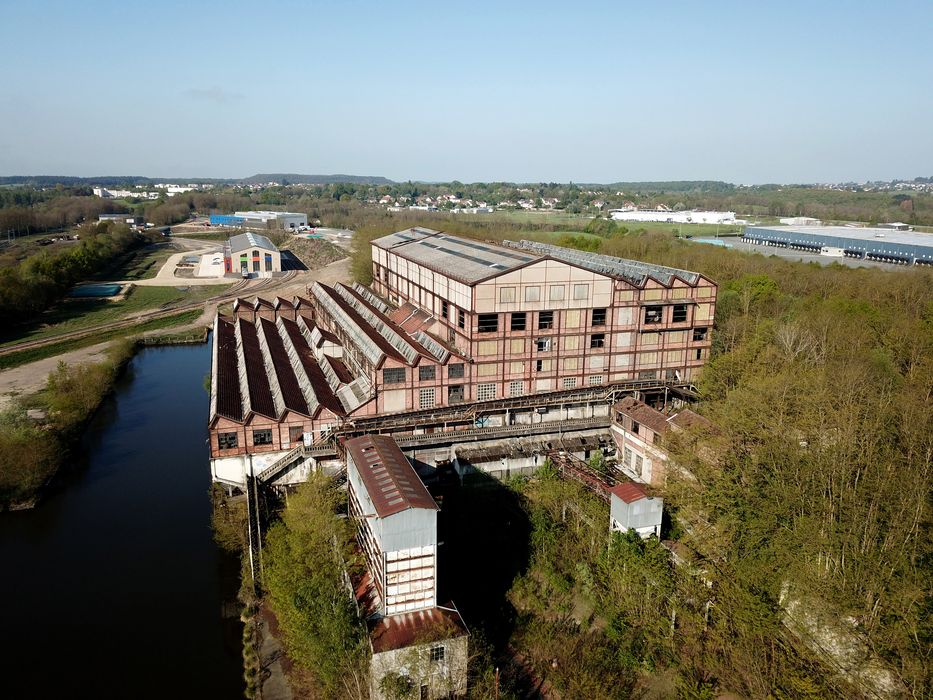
<point x="32" y="286"/>
<point x="822" y="386"/>
<point x="24" y="211"/>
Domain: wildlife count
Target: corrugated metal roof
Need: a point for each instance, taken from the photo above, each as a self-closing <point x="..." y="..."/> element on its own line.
<point x="459" y="258"/>
<point x="243" y="241"/>
<point x="418" y="627"/>
<point x="229" y="401"/>
<point x="260" y="392"/>
<point x="628" y="491"/>
<point x="390" y="480"/>
<point x="633" y="271"/>
<point x="291" y="391"/>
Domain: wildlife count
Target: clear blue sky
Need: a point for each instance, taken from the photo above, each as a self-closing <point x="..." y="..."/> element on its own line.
<point x="582" y="91"/>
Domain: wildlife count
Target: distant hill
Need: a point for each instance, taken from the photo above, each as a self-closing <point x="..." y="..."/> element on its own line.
<point x="134" y="180"/>
<point x="296" y="179"/>
<point x="674" y="186"/>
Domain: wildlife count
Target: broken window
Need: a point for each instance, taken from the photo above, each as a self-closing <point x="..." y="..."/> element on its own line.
<point x="679" y="313"/>
<point x="635" y="426"/>
<point x="653" y="314"/>
<point x="393" y="375"/>
<point x="545" y="320"/>
<point x="455" y="393"/>
<point x="518" y="321"/>
<point x="543" y="344"/>
<point x="488" y="323"/>
<point x="296" y="433"/>
<point x="426" y="372"/>
<point x="455" y="371"/>
<point x="226" y="441"/>
<point x="262" y="437"/>
<point x="461" y="319"/>
<point x="598" y="340"/>
<point x="599" y="317"/>
<point x="699" y="334"/>
<point x="445" y="309"/>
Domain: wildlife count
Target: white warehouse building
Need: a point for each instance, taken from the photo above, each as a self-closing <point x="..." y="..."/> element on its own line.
<point x="274" y="219"/>
<point x="673" y="217"/>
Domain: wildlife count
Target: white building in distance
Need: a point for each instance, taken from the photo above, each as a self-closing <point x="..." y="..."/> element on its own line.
<point x="272" y="219"/>
<point x="673" y="217"/>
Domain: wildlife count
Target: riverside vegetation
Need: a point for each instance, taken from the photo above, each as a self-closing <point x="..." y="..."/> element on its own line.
<point x="33" y="450"/>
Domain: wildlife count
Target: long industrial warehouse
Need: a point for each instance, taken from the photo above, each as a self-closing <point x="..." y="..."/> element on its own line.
<point x="885" y="245"/>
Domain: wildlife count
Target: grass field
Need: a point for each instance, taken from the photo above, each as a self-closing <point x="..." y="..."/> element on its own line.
<point x="140" y="264"/>
<point x="523" y="216"/>
<point x="78" y="314"/>
<point x="16" y="359"/>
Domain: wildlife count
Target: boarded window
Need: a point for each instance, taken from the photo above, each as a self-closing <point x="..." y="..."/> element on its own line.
<point x="557" y="292"/>
<point x="581" y="292"/>
<point x="487" y="347"/>
<point x="532" y="293"/>
<point x="507" y="295"/>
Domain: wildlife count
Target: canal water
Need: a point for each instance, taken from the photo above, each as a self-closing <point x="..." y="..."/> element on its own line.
<point x="112" y="586"/>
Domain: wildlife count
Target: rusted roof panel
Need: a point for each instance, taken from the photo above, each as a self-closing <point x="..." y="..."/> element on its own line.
<point x="318" y="382"/>
<point x="229" y="401"/>
<point x="643" y="413"/>
<point x="418" y="627"/>
<point x="390" y="480"/>
<point x="628" y="491"/>
<point x="260" y="393"/>
<point x="288" y="382"/>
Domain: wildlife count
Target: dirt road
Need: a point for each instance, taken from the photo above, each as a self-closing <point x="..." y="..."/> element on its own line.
<point x="32" y="377"/>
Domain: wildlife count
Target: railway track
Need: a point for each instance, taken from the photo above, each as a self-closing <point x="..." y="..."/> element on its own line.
<point x="166" y="310"/>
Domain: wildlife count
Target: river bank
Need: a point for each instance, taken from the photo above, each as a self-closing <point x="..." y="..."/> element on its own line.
<point x="39" y="431"/>
<point x="118" y="584"/>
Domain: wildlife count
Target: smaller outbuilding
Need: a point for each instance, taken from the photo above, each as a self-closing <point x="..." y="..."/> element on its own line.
<point x="631" y="508"/>
<point x="252" y="254"/>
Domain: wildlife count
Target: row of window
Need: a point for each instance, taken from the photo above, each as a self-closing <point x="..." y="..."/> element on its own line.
<point x="398" y="375"/>
<point x="261" y="436"/>
<point x="581" y="292"/>
<point x="655" y="314"/>
<point x="518" y="321"/>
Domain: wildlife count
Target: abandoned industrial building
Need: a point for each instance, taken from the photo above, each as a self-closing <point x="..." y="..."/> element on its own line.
<point x="453" y="328"/>
<point x="409" y="633"/>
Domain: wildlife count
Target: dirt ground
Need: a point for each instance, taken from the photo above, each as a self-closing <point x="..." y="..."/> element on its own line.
<point x="32" y="377"/>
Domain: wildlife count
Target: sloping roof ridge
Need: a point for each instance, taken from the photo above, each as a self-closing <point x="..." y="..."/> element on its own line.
<point x="269" y="367"/>
<point x="634" y="271"/>
<point x="393" y="335"/>
<point x="301" y="374"/>
<point x="379" y="346"/>
<point x="245" y="398"/>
